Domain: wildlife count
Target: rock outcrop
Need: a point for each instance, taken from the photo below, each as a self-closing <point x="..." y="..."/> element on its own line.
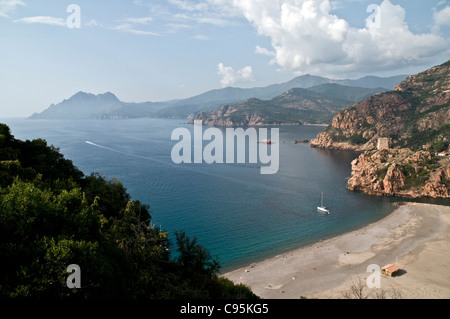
<point x="400" y="172"/>
<point x="416" y="113"/>
<point x="391" y="129"/>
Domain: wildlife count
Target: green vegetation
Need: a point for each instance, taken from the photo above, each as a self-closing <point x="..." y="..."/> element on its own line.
<point x="357" y="139"/>
<point x="439" y="146"/>
<point x="433" y="137"/>
<point x="414" y="179"/>
<point x="381" y="173"/>
<point x="51" y="216"/>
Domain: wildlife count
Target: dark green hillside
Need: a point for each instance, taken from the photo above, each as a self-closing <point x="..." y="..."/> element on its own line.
<point x="52" y="216"/>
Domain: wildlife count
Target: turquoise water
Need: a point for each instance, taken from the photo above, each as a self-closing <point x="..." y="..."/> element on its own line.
<point x="235" y="212"/>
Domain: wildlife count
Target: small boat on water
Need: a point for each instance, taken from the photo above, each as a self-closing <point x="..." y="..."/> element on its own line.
<point x="322" y="208"/>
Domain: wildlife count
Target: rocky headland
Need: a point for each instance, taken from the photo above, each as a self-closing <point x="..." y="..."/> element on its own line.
<point x="400" y="172"/>
<point x="403" y="136"/>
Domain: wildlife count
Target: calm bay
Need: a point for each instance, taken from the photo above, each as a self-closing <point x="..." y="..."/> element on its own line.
<point x="237" y="213"/>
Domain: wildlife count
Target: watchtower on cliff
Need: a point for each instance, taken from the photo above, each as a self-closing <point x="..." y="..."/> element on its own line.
<point x="383" y="143"/>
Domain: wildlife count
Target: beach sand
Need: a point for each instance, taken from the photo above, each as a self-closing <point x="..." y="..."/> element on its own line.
<point x="416" y="237"/>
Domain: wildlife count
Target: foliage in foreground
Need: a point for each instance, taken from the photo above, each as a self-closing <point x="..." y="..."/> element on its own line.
<point x="52" y="216"/>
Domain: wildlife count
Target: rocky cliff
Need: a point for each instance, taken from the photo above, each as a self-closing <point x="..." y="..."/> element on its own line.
<point x="417" y="112"/>
<point x="415" y="120"/>
<point x="401" y="172"/>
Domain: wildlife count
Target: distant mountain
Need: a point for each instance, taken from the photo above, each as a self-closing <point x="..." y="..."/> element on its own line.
<point x="102" y="106"/>
<point x="375" y="81"/>
<point x="296" y="106"/>
<point x="214" y="99"/>
<point x="108" y="106"/>
<point x="348" y="93"/>
<point x="80" y="105"/>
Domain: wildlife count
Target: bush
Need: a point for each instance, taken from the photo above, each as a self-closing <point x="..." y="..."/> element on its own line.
<point x="51" y="216"/>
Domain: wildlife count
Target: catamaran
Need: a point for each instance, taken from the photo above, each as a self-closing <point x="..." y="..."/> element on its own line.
<point x="322" y="208"/>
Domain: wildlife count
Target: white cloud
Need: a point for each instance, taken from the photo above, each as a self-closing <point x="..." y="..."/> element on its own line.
<point x="189" y="6"/>
<point x="43" y="20"/>
<point x="231" y="77"/>
<point x="131" y="25"/>
<point x="130" y="28"/>
<point x="215" y="12"/>
<point x="92" y="23"/>
<point x="144" y="20"/>
<point x="264" y="51"/>
<point x="201" y="37"/>
<point x="7" y="6"/>
<point x="308" y="38"/>
<point x="442" y="17"/>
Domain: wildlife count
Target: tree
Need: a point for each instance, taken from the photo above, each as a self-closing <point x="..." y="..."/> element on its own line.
<point x="52" y="216"/>
<point x="193" y="258"/>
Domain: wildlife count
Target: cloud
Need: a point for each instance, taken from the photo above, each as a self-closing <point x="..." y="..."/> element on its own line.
<point x="130" y="28"/>
<point x="7" y="6"/>
<point x="143" y="20"/>
<point x="201" y="37"/>
<point x="189" y="6"/>
<point x="264" y="51"/>
<point x="231" y="77"/>
<point x="43" y="20"/>
<point x="132" y="25"/>
<point x="215" y="12"/>
<point x="442" y="17"/>
<point x="308" y="38"/>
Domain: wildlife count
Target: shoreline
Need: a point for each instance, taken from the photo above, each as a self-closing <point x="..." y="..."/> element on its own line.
<point x="414" y="236"/>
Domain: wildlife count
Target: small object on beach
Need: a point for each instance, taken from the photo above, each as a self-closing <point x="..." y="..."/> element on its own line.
<point x="390" y="269"/>
<point x="252" y="265"/>
<point x="293" y="278"/>
<point x="246" y="270"/>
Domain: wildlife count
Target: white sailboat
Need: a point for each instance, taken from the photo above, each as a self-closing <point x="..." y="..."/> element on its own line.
<point x="322" y="208"/>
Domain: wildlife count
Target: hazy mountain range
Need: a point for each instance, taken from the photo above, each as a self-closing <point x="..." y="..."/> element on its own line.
<point x="107" y="106"/>
<point x="314" y="105"/>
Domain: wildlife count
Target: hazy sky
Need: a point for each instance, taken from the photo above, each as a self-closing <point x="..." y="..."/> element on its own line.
<point x="166" y="49"/>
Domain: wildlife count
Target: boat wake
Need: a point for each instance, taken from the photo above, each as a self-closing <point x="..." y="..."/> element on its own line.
<point x="185" y="167"/>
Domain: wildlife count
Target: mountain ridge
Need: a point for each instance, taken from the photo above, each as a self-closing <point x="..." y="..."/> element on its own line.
<point x="182" y="108"/>
<point x="315" y="105"/>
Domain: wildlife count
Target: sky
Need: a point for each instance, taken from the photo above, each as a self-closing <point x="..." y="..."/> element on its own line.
<point x="161" y="50"/>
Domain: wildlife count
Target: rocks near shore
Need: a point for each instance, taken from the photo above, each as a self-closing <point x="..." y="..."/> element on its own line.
<point x="400" y="172"/>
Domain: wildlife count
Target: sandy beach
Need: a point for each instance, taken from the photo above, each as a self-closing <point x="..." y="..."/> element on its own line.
<point x="416" y="237"/>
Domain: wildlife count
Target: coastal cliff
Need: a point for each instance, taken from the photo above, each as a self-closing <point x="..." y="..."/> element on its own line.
<point x="413" y="124"/>
<point x="400" y="172"/>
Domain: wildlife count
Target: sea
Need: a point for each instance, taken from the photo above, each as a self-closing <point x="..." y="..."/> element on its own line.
<point x="235" y="212"/>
